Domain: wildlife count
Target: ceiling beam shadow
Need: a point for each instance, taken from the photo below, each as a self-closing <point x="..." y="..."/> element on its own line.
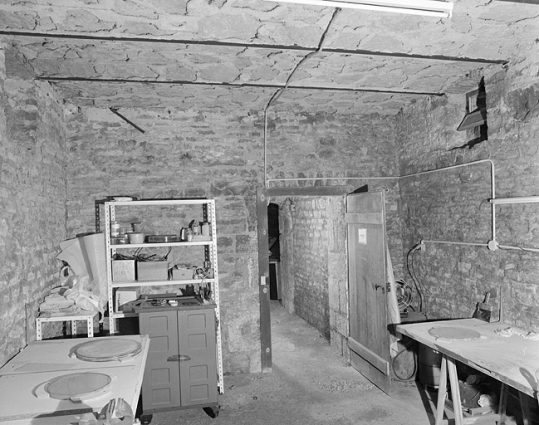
<point x="237" y="85"/>
<point x="360" y="52"/>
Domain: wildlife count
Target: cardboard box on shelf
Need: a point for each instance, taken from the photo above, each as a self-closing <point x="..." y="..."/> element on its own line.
<point x="182" y="273"/>
<point x="152" y="270"/>
<point x="123" y="270"/>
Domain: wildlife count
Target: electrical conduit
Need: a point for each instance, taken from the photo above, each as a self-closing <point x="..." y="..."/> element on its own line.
<point x="492" y="245"/>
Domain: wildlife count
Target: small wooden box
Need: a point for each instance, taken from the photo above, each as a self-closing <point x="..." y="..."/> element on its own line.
<point x="152" y="270"/>
<point x="123" y="270"/>
<point x="124" y="298"/>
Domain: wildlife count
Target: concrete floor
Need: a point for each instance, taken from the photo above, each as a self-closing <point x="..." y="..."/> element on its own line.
<point x="309" y="385"/>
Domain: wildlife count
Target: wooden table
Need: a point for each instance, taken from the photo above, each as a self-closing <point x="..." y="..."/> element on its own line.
<point x="42" y="361"/>
<point x="511" y="360"/>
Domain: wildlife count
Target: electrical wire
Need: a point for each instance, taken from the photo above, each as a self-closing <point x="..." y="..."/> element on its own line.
<point x="411" y="270"/>
<point x="411" y="377"/>
<point x="517" y="248"/>
<point x="279" y="92"/>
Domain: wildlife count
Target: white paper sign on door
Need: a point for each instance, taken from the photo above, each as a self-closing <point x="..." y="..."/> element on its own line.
<point x="362" y="236"/>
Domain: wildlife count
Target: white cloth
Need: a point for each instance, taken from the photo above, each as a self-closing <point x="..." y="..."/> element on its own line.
<point x="393" y="312"/>
<point x="86" y="255"/>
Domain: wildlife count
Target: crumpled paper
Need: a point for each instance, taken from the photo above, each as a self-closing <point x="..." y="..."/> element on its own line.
<point x="70" y="297"/>
<point x="394" y="316"/>
<point x="84" y="299"/>
<point x="115" y="412"/>
<point x="86" y="256"/>
<point x="487" y="400"/>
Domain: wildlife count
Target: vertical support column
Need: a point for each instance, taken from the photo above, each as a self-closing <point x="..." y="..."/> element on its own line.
<point x="90" y="326"/>
<point x="110" y="215"/>
<point x="39" y="334"/>
<point x="525" y="408"/>
<point x="502" y="410"/>
<point x="455" y="390"/>
<point x="263" y="273"/>
<point x="442" y="390"/>
<point x="211" y="255"/>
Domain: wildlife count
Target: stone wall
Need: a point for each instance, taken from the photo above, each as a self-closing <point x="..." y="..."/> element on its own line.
<point x="452" y="205"/>
<point x="311" y="259"/>
<point x="181" y="155"/>
<point x="337" y="276"/>
<point x="318" y="285"/>
<point x="32" y="207"/>
<point x="332" y="150"/>
<point x="314" y="258"/>
<point x="218" y="154"/>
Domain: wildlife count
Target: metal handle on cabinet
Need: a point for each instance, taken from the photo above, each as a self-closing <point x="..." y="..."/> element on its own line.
<point x="178" y="358"/>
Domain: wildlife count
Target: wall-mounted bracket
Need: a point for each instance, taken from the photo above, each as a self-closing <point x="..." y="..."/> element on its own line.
<point x="115" y="111"/>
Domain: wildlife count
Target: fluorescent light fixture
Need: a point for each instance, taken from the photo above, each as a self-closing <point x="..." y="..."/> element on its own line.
<point x="472" y="120"/>
<point x="515" y="200"/>
<point x="436" y="8"/>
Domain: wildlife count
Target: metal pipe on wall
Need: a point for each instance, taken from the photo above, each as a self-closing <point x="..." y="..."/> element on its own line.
<point x="456" y="243"/>
<point x="481" y="161"/>
<point x="492" y="243"/>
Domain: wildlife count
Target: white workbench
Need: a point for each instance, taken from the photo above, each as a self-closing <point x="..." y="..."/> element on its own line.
<point x="42" y="361"/>
<point x="511" y="360"/>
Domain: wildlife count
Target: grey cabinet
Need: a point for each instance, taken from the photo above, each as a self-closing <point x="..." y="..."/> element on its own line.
<point x="181" y="369"/>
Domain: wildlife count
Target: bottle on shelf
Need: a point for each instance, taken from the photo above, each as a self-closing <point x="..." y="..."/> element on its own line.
<point x="195" y="227"/>
<point x="114" y="229"/>
<point x="205" y="229"/>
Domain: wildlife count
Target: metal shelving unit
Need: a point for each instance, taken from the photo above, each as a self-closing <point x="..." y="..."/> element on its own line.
<point x="210" y="254"/>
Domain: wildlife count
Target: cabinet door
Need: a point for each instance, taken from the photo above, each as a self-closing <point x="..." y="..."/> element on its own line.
<point x="198" y="365"/>
<point x="161" y="387"/>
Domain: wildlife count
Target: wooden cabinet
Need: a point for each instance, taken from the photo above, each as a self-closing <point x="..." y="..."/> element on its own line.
<point x="181" y="370"/>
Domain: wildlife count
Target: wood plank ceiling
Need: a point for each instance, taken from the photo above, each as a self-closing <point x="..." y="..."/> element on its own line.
<point x="240" y="53"/>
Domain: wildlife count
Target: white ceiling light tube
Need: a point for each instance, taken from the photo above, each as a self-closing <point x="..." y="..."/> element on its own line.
<point x="436" y="8"/>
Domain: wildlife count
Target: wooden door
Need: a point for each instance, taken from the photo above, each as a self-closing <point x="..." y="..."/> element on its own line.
<point x="367" y="277"/>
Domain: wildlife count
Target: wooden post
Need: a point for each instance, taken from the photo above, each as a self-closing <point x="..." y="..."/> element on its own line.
<point x="263" y="279"/>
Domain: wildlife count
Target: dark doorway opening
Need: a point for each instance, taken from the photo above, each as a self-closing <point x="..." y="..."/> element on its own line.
<point x="274" y="251"/>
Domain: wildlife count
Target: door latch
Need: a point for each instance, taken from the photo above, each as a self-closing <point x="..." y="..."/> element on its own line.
<point x="385" y="288"/>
